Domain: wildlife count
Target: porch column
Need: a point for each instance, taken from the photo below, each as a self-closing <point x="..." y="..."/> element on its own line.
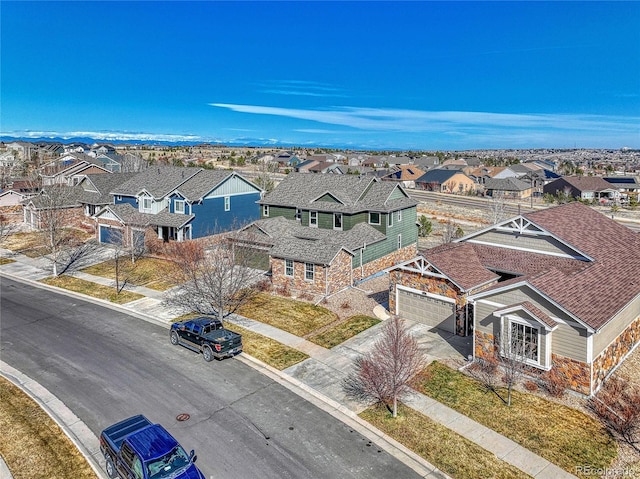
<point x="160" y="232"/>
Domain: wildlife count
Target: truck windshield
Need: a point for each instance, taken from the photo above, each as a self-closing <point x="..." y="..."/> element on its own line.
<point x="169" y="464"/>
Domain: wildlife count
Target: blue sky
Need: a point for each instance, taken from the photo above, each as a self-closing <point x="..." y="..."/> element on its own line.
<point x="372" y="75"/>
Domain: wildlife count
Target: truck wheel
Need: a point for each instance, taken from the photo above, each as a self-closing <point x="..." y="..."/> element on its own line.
<point x="173" y="337"/>
<point x="207" y="354"/>
<point x="111" y="470"/>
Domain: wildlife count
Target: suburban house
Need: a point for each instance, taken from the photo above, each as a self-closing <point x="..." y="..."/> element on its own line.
<point x="591" y="188"/>
<point x="324" y="233"/>
<point x="179" y="204"/>
<point x="628" y="186"/>
<point x="12" y="198"/>
<point x="70" y="168"/>
<point x="96" y="190"/>
<point x="564" y="280"/>
<point x="508" y="188"/>
<point x="445" y="181"/>
<point x="406" y="174"/>
<point x="65" y="199"/>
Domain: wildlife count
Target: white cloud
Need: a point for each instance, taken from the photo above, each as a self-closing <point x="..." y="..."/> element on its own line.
<point x="417" y="121"/>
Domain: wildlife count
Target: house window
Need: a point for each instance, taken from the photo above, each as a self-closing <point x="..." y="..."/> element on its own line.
<point x="265" y="210"/>
<point x="523" y="341"/>
<point x="227" y="203"/>
<point x="390" y="219"/>
<point x="399" y="216"/>
<point x="399" y="241"/>
<point x="308" y="271"/>
<point x="298" y="214"/>
<point x="178" y="206"/>
<point x="337" y="221"/>
<point x="288" y="267"/>
<point x="374" y="218"/>
<point x="313" y="219"/>
<point x="146" y="203"/>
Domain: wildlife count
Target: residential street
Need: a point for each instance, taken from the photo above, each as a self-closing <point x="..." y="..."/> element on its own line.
<point x="105" y="366"/>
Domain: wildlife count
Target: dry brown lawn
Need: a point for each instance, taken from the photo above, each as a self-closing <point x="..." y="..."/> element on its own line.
<point x="295" y="317"/>
<point x="91" y="289"/>
<point x="32" y="444"/>
<point x="148" y="272"/>
<point x="445" y="449"/>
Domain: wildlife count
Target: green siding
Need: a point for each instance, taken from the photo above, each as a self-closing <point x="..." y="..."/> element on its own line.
<point x="397" y="194"/>
<point x="274" y="211"/>
<point x="328" y="197"/>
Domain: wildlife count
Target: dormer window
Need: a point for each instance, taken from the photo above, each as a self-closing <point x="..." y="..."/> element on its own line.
<point x="178" y="207"/>
<point x="146" y="203"/>
<point x="313" y="219"/>
<point x="337" y="221"/>
<point x="374" y="218"/>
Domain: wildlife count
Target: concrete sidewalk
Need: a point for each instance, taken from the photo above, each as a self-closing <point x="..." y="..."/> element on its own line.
<point x="321" y="375"/>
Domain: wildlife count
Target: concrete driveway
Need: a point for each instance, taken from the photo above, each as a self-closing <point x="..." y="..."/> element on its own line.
<point x="325" y="372"/>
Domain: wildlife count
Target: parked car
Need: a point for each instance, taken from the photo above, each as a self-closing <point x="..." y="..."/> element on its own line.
<point x="138" y="449"/>
<point x="207" y="336"/>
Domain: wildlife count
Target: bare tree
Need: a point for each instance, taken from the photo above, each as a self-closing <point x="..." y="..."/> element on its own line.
<point x="127" y="248"/>
<point x="56" y="209"/>
<point x="496" y="208"/>
<point x="132" y="163"/>
<point x="383" y="375"/>
<point x="617" y="406"/>
<point x="265" y="180"/>
<point x="214" y="275"/>
<point x="507" y="366"/>
<point x="451" y="232"/>
<point x="7" y="227"/>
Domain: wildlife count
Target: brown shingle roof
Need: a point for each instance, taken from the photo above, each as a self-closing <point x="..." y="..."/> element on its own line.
<point x="459" y="262"/>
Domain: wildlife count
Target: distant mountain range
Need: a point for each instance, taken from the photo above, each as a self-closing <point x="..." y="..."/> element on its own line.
<point x="240" y="142"/>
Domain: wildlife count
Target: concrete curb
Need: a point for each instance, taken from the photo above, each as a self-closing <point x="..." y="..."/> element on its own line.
<point x="397" y="450"/>
<point x="348" y="417"/>
<point x="76" y="430"/>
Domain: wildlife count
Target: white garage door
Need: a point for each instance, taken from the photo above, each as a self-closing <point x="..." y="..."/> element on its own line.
<point x="428" y="310"/>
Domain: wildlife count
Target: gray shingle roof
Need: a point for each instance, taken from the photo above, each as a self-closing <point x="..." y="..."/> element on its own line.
<point x="353" y="193"/>
<point x="506" y="184"/>
<point x="288" y="239"/>
<point x="199" y="185"/>
<point x="104" y="184"/>
<point x="158" y="181"/>
<point x="131" y="216"/>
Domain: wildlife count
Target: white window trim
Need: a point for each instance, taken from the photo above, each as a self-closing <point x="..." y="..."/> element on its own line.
<point x="370" y="221"/>
<point x="399" y="241"/>
<point x="390" y="220"/>
<point x="145" y="199"/>
<point x="265" y="211"/>
<point x="517" y="320"/>
<point x="313" y="214"/>
<point x="335" y="216"/>
<point x="175" y="207"/>
<point x="399" y="218"/>
<point x="306" y="271"/>
<point x="292" y="268"/>
<point x="227" y="203"/>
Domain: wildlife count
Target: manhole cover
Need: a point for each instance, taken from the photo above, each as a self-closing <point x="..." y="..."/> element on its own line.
<point x="183" y="417"/>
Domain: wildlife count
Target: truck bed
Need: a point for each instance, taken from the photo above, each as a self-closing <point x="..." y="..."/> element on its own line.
<point x="116" y="434"/>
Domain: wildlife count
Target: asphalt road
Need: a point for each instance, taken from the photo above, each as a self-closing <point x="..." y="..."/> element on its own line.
<point x="106" y="366"/>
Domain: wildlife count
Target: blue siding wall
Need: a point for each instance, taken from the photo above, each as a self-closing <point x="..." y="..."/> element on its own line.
<point x="126" y="199"/>
<point x="172" y="205"/>
<point x="211" y="217"/>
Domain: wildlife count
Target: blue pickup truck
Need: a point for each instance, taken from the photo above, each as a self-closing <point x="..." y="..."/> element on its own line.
<point x="137" y="449"/>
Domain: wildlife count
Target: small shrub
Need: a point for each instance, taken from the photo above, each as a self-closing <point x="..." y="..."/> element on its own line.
<point x="284" y="291"/>
<point x="263" y="285"/>
<point x="554" y="383"/>
<point x="531" y="386"/>
<point x="345" y="305"/>
<point x="305" y="296"/>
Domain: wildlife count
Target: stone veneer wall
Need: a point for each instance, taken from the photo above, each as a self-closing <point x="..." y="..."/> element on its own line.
<point x="615" y="353"/>
<point x="576" y="373"/>
<point x="297" y="284"/>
